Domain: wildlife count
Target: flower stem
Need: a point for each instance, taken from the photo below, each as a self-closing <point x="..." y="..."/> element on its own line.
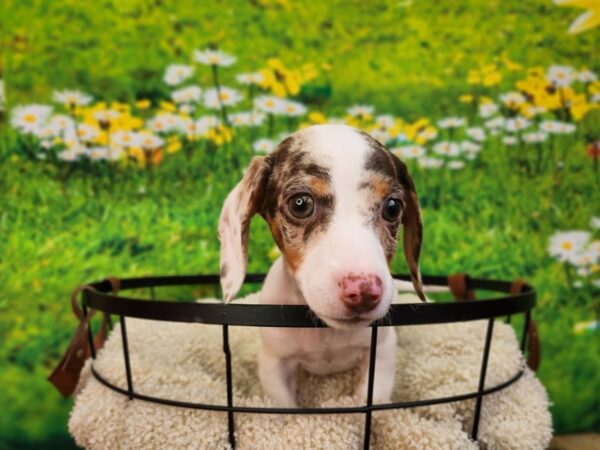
<point x="215" y="74"/>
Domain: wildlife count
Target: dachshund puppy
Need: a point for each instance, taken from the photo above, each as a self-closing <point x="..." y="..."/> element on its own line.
<point x="333" y="198"/>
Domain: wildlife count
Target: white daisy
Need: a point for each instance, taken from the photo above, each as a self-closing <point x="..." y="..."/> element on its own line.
<point x="380" y="135"/>
<point x="451" y="122"/>
<point x="68" y="155"/>
<point x="535" y="137"/>
<point x="361" y="111"/>
<point x="495" y="123"/>
<point x="62" y="122"/>
<point x="557" y="127"/>
<point x="561" y="76"/>
<point x="269" y="104"/>
<point x="213" y="58"/>
<point x="567" y="128"/>
<point x="71" y="98"/>
<point x="516" y="124"/>
<point x="595" y="98"/>
<point x="87" y="133"/>
<point x="247" y="119"/>
<point x="293" y="109"/>
<point x="177" y="73"/>
<point x="488" y="109"/>
<point x="187" y="94"/>
<point x="586" y="76"/>
<point x="164" y="122"/>
<point x="250" y="78"/>
<point x="595" y="222"/>
<point x="187" y="108"/>
<point x="409" y="151"/>
<point x="510" y="140"/>
<point x="385" y="121"/>
<point x="148" y="140"/>
<point x="455" y="165"/>
<point x="446" y="148"/>
<point x="430" y="163"/>
<point x="476" y="133"/>
<point x="428" y="133"/>
<point x="264" y="146"/>
<point x="225" y="96"/>
<point x="567" y="246"/>
<point x="47" y="132"/>
<point x="206" y="123"/>
<point x="512" y="99"/>
<point x="123" y="139"/>
<point x="96" y="153"/>
<point x="105" y="116"/>
<point x="470" y="147"/>
<point x="29" y="118"/>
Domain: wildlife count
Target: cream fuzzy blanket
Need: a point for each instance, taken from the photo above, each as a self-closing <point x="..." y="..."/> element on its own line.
<point x="186" y="362"/>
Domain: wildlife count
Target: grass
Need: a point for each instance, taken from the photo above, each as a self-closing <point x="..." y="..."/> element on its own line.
<point x="492" y="219"/>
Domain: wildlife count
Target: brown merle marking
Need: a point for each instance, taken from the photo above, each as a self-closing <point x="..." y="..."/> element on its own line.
<point x="292" y="171"/>
<point x="224" y="270"/>
<point x="383" y="162"/>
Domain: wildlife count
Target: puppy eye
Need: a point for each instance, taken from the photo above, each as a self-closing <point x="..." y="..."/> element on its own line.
<point x="301" y="206"/>
<point x="391" y="209"/>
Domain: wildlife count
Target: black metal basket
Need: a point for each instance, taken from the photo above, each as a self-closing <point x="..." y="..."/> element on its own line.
<point x="101" y="296"/>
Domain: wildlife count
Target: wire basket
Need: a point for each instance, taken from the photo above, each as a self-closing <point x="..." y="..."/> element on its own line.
<point x="102" y="296"/>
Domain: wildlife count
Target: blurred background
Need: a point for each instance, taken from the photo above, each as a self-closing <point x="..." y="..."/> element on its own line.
<point x="124" y="125"/>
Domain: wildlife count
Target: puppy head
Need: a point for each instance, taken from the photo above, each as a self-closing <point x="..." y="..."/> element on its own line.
<point x="334" y="199"/>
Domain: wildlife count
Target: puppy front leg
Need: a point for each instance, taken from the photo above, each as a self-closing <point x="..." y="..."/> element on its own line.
<point x="278" y="378"/>
<point x="385" y="368"/>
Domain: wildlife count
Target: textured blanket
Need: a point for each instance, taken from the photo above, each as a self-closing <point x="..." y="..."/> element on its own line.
<point x="186" y="362"/>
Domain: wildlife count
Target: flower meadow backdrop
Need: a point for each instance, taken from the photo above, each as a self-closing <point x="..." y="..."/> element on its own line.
<point x="125" y="124"/>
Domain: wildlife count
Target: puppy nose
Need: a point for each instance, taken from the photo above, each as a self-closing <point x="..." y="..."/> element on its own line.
<point x="361" y="293"/>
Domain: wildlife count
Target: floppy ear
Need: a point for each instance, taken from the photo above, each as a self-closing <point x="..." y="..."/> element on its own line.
<point x="412" y="223"/>
<point x="234" y="225"/>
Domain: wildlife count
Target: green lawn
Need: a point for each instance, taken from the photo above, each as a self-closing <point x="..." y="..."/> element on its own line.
<point x="493" y="218"/>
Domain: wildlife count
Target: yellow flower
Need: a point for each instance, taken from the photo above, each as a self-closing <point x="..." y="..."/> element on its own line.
<point x="173" y="144"/>
<point x="467" y="98"/>
<point x="168" y="106"/>
<point x="473" y="77"/>
<point x="510" y="65"/>
<point x="492" y="78"/>
<point x="579" y="107"/>
<point x="274" y="253"/>
<point x="143" y="104"/>
<point x="317" y="117"/>
<point x="219" y="135"/>
<point x="283" y="82"/>
<point x="594" y="87"/>
<point x="588" y="20"/>
<point x="138" y="155"/>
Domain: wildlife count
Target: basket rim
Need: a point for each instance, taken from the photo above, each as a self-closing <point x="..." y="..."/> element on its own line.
<point x="99" y="296"/>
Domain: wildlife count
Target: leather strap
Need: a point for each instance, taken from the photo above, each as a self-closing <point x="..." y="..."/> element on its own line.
<point x="460" y="287"/>
<point x="533" y="341"/>
<point x="65" y="375"/>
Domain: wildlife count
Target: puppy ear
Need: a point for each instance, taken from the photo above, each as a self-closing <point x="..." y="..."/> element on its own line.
<point x="412" y="226"/>
<point x="234" y="225"/>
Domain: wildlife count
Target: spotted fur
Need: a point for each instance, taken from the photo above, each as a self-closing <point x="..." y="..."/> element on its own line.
<point x="312" y="161"/>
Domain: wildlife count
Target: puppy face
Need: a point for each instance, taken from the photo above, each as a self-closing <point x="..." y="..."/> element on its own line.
<point x="334" y="199"/>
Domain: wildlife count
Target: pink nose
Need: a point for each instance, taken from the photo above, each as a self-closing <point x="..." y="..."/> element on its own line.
<point x="361" y="293"/>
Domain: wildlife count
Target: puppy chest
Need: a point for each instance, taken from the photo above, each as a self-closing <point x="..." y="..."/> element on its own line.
<point x="327" y="361"/>
<point x="324" y="354"/>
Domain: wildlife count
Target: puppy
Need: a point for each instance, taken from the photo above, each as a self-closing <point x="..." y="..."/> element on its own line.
<point x="333" y="198"/>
